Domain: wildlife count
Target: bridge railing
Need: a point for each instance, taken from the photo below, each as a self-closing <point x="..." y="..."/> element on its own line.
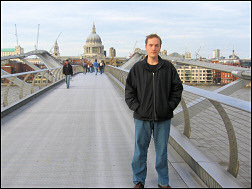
<point x="205" y="117"/>
<point x="15" y="87"/>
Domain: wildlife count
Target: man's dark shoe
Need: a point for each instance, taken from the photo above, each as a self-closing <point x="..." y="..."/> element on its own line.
<point x="139" y="185"/>
<point x="159" y="186"/>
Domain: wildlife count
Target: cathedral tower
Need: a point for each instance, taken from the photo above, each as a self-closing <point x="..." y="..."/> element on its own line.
<point x="56" y="49"/>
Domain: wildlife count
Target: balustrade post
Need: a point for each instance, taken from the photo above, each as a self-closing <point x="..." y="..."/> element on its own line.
<point x="54" y="76"/>
<point x="33" y="83"/>
<point x="5" y="100"/>
<point x="47" y="77"/>
<point x="22" y="86"/>
<point x="233" y="149"/>
<point x="41" y="80"/>
<point x="187" y="126"/>
<point x="57" y="74"/>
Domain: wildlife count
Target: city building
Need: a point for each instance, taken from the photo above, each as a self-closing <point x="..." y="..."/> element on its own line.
<point x="225" y="78"/>
<point x="18" y="67"/>
<point x="228" y="77"/>
<point x="233" y="56"/>
<point x="112" y="52"/>
<point x="216" y="73"/>
<point x="12" y="51"/>
<point x="93" y="48"/>
<point x="216" y="54"/>
<point x="164" y="52"/>
<point x="246" y="63"/>
<point x="13" y="67"/>
<point x="175" y="54"/>
<point x="195" y="75"/>
<point x="188" y="55"/>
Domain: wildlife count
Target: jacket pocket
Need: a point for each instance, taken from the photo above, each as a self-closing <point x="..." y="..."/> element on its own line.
<point x="164" y="110"/>
<point x="145" y="110"/>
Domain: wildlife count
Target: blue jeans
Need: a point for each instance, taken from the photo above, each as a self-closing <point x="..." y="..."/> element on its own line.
<point x="68" y="80"/>
<point x="143" y="131"/>
<point x="101" y="70"/>
<point x="96" y="70"/>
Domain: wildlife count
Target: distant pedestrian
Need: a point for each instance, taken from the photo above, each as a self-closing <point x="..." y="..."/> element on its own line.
<point x="88" y="67"/>
<point x="96" y="65"/>
<point x="101" y="66"/>
<point x="84" y="68"/>
<point x="153" y="90"/>
<point x="91" y="68"/>
<point x="68" y="72"/>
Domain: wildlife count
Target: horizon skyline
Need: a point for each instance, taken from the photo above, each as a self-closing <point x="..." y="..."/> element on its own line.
<point x="189" y="29"/>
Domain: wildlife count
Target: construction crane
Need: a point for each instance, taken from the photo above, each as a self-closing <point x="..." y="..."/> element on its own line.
<point x="197" y="54"/>
<point x="55" y="41"/>
<point x="131" y="53"/>
<point x="16" y="34"/>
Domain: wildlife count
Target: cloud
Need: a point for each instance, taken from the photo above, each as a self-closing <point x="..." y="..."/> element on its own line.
<point x="120" y="24"/>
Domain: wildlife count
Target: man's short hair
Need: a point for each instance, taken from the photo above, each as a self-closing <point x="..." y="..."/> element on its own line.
<point x="152" y="36"/>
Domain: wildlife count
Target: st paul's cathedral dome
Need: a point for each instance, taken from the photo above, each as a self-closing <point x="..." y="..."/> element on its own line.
<point x="93" y="47"/>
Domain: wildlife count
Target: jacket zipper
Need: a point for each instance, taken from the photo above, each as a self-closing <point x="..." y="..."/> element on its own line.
<point x="155" y="115"/>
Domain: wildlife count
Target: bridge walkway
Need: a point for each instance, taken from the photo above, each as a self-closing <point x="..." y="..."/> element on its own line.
<point x="78" y="137"/>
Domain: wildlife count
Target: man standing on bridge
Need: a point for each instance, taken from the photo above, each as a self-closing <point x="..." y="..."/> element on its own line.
<point x="153" y="90"/>
<point x="68" y="72"/>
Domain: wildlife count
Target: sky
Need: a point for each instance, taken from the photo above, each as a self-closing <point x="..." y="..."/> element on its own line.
<point x="195" y="26"/>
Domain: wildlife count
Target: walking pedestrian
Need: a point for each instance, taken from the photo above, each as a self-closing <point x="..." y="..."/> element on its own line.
<point x="96" y="65"/>
<point x="101" y="66"/>
<point x="88" y="67"/>
<point x="153" y="90"/>
<point x="91" y="67"/>
<point x="68" y="72"/>
<point x="84" y="68"/>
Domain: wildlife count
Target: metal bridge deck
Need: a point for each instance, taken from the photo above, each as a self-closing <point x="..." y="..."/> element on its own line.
<point x="78" y="137"/>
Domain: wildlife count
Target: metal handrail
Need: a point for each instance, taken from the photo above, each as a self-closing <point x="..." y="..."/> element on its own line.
<point x="25" y="73"/>
<point x="53" y="75"/>
<point x="227" y="100"/>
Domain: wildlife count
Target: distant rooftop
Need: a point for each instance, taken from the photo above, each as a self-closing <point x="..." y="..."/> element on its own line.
<point x="8" y="50"/>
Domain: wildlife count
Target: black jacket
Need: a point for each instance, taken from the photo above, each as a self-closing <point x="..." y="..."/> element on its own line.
<point x="67" y="69"/>
<point x="153" y="95"/>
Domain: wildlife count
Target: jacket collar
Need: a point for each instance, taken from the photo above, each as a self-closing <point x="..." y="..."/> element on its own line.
<point x="160" y="63"/>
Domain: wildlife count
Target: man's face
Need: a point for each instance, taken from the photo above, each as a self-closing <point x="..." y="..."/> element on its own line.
<point x="153" y="47"/>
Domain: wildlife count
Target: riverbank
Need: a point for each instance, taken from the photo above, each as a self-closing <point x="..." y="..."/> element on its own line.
<point x="243" y="94"/>
<point x="211" y="84"/>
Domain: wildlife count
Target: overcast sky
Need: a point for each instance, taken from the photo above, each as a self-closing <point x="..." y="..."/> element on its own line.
<point x="191" y="26"/>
